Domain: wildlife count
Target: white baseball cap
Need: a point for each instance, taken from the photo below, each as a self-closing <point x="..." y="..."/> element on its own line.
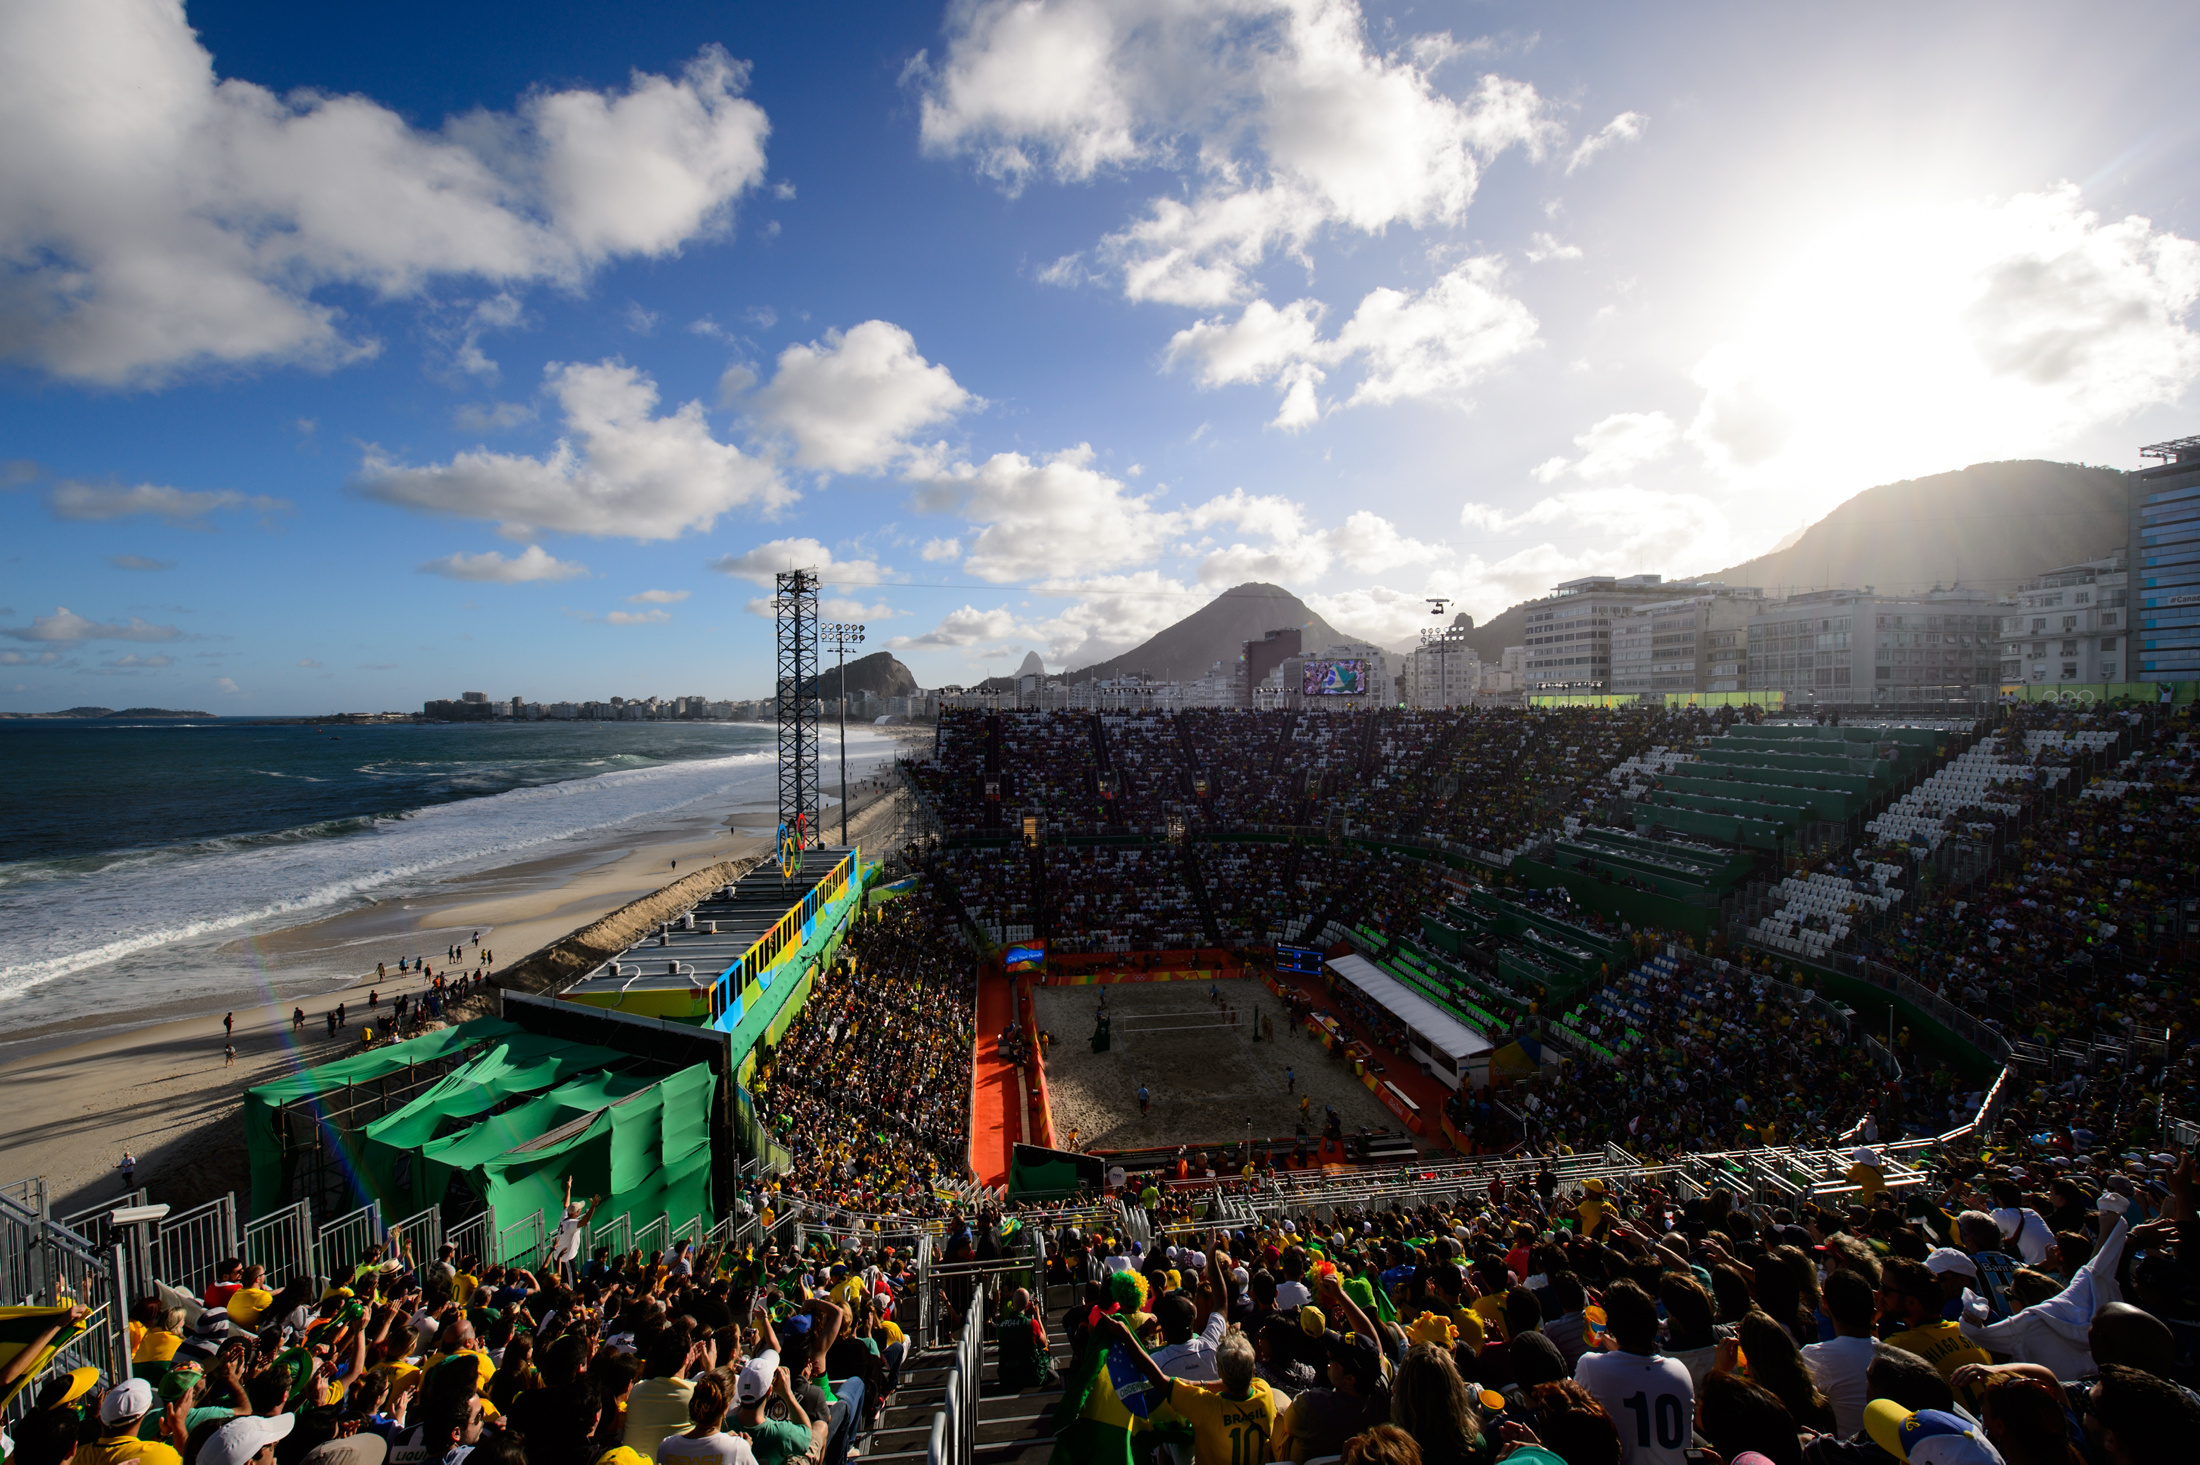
<point x="130" y="1399"/>
<point x="1947" y="1259"/>
<point x="238" y="1441"/>
<point x="755" y="1380"/>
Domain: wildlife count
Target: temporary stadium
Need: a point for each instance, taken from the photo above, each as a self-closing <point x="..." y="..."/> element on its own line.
<point x="1150" y="972"/>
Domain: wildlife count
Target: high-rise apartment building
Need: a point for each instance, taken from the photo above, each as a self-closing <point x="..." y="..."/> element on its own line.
<point x="2165" y="564"/>
<point x="2069" y="625"/>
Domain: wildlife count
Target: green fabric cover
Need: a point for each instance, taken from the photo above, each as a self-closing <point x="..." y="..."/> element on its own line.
<point x="263" y="1140"/>
<point x="525" y="1064"/>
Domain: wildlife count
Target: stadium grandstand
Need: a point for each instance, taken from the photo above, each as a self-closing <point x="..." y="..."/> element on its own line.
<point x="1603" y="1082"/>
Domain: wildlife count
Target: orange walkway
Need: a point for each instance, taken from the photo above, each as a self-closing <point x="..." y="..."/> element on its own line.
<point x="993" y="1085"/>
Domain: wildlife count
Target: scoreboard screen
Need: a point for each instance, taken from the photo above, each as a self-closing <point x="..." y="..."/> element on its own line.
<point x="1299" y="959"/>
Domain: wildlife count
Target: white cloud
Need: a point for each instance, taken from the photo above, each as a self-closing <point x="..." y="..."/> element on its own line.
<point x="1543" y="247"/>
<point x="637" y="617"/>
<point x="657" y="597"/>
<point x="224" y="684"/>
<point x="936" y="550"/>
<point x="1290" y="121"/>
<point x="101" y="501"/>
<point x="1055" y="515"/>
<point x="27" y="658"/>
<point x="1618" y="444"/>
<point x="761" y="565"/>
<point x="493" y="568"/>
<point x="159" y="218"/>
<point x="66" y="625"/>
<point x="641" y="322"/>
<point x="1626" y="127"/>
<point x="1435" y="344"/>
<point x="1367" y="541"/>
<point x="965" y="627"/>
<point x="850" y="401"/>
<point x="1958" y="332"/>
<point x="621" y="470"/>
<point x="495" y="417"/>
<point x="1621" y="530"/>
<point x="133" y="661"/>
<point x="1113" y="613"/>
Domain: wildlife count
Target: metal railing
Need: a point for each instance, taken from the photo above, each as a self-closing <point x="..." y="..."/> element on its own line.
<point x="419" y="1237"/>
<point x="342" y="1244"/>
<point x="191" y="1246"/>
<point x="689" y="1231"/>
<point x="471" y="1237"/>
<point x="282" y="1242"/>
<point x="616" y="1233"/>
<point x="520" y="1241"/>
<point x="76" y="1221"/>
<point x="654" y="1237"/>
<point x="954" y="1438"/>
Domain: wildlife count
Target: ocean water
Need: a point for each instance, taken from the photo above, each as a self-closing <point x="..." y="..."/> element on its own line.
<point x="131" y="853"/>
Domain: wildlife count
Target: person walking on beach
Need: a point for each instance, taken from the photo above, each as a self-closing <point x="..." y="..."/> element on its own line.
<point x="229" y="1055"/>
<point x="1290" y="1080"/>
<point x="374" y="998"/>
<point x="128" y="1167"/>
<point x="1145" y="1100"/>
<point x="297" y="1019"/>
<point x="229" y="1025"/>
<point x="339" y="1014"/>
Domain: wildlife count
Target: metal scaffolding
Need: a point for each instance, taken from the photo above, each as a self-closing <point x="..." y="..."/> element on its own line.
<point x="796" y="607"/>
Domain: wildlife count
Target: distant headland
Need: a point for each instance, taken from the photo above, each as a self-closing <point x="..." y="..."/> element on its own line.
<point x="85" y="714"/>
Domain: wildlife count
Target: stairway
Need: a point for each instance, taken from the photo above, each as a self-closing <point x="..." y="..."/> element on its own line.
<point x="1012" y="1428"/>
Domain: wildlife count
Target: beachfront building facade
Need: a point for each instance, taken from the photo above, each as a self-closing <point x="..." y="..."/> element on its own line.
<point x="1860" y="648"/>
<point x="1698" y="641"/>
<point x="1569" y="631"/>
<point x="2069" y="625"/>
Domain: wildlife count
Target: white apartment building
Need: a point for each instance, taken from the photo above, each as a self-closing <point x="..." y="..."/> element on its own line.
<point x="2070" y="625"/>
<point x="1696" y="642"/>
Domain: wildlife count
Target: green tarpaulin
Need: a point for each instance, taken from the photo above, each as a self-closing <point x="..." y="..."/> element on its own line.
<point x="263" y="1139"/>
<point x="647" y="1154"/>
<point x="525" y="1064"/>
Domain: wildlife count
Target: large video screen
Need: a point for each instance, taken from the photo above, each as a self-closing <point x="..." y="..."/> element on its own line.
<point x="1335" y="679"/>
<point x="1291" y="958"/>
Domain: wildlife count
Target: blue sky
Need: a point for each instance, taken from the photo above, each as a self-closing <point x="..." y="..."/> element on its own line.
<point x="352" y="359"/>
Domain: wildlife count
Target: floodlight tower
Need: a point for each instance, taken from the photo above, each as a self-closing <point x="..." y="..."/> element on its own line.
<point x="795" y="607"/>
<point x="842" y="635"/>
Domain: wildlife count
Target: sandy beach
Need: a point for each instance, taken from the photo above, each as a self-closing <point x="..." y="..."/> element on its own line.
<point x="158" y="1085"/>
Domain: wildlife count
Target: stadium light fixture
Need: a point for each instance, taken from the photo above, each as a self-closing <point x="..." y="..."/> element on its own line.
<point x="841" y="635"/>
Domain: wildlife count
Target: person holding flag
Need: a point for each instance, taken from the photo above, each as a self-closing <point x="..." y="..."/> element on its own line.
<point x="1233" y="1422"/>
<point x="1106" y="1399"/>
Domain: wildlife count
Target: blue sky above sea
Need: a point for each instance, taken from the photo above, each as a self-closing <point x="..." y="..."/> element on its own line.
<point x="353" y="357"/>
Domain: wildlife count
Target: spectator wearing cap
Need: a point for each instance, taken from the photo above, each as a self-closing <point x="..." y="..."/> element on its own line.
<point x="122" y="1410"/>
<point x="1903" y="1378"/>
<point x="1957" y="1274"/>
<point x="1319" y="1421"/>
<point x="249" y="1439"/>
<point x="1909" y="1308"/>
<point x="774" y="1441"/>
<point x="1927" y="1436"/>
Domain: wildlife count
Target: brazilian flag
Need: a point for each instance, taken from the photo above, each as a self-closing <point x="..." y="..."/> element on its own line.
<point x="20" y="1327"/>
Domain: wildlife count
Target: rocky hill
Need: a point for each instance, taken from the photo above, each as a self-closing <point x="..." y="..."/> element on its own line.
<point x="1217" y="631"/>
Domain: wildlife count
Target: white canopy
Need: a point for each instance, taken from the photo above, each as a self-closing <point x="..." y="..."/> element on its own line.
<point x="1438" y="1031"/>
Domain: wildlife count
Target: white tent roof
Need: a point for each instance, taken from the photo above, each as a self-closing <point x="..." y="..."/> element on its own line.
<point x="1438" y="1029"/>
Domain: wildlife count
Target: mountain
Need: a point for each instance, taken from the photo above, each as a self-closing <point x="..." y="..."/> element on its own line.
<point x="1988" y="526"/>
<point x="881" y="674"/>
<point x="1217" y="631"/>
<point x="85" y="714"/>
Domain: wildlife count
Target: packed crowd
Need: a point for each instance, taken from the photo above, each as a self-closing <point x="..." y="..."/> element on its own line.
<point x="1992" y="1317"/>
<point x="733" y="1357"/>
<point x="869" y="1087"/>
<point x="1120" y="898"/>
